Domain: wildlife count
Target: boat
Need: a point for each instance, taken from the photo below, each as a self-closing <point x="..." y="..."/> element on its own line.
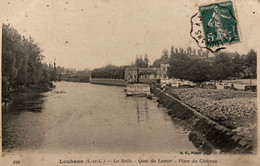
<point x="137" y="89"/>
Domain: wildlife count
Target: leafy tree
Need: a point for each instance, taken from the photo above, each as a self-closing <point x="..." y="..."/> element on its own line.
<point x="250" y="62"/>
<point x="221" y="68"/>
<point x="189" y="50"/>
<point x="179" y="66"/>
<point x="176" y="51"/>
<point x="220" y="72"/>
<point x="199" y="52"/>
<point x="163" y="59"/>
<point x="156" y="63"/>
<point x="181" y="50"/>
<point x="199" y="71"/>
<point x="237" y="65"/>
<point x="165" y="55"/>
<point x="83" y="75"/>
<point x="109" y="72"/>
<point x="142" y="62"/>
<point x="222" y="58"/>
<point x="193" y="52"/>
<point x="146" y="60"/>
<point x="21" y="62"/>
<point x="172" y="51"/>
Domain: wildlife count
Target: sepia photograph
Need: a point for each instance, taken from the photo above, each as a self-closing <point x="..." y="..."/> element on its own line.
<point x="144" y="82"/>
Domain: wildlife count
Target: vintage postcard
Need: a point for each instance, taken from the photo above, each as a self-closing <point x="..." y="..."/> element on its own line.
<point x="144" y="82"/>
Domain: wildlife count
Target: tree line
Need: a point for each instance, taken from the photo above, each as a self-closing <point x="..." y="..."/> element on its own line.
<point x="197" y="66"/>
<point x="70" y="74"/>
<point x="118" y="72"/>
<point x="109" y="72"/>
<point x="191" y="64"/>
<point x="22" y="62"/>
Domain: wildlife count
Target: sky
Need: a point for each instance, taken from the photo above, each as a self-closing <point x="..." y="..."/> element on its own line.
<point x="93" y="33"/>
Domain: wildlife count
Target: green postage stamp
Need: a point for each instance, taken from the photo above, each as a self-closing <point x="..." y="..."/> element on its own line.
<point x="219" y="24"/>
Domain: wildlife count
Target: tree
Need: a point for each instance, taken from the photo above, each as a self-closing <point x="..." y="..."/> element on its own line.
<point x="146" y="60"/>
<point x="237" y="65"/>
<point x="189" y="51"/>
<point x="142" y="62"/>
<point x="187" y="66"/>
<point x="220" y="72"/>
<point x="22" y="75"/>
<point x="172" y="51"/>
<point x="199" y="71"/>
<point x="83" y="75"/>
<point x="10" y="46"/>
<point x="199" y="52"/>
<point x="163" y="59"/>
<point x="179" y="66"/>
<point x="21" y="61"/>
<point x="206" y="54"/>
<point x="156" y="63"/>
<point x="109" y="71"/>
<point x="165" y="55"/>
<point x="181" y="51"/>
<point x="193" y="52"/>
<point x="221" y="67"/>
<point x="176" y="51"/>
<point x="250" y="62"/>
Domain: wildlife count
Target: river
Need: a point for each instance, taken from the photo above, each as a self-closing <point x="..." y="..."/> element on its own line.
<point x="89" y="118"/>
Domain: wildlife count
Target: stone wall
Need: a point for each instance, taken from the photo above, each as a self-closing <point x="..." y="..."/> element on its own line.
<point x="117" y="82"/>
<point x="218" y="135"/>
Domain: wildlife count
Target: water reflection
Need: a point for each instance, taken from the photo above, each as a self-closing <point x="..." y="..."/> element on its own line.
<point x="142" y="108"/>
<point x="21" y="124"/>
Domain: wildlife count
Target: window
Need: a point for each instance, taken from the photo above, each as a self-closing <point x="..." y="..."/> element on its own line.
<point x="164" y="68"/>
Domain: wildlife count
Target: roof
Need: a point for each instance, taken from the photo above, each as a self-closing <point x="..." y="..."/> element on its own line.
<point x="144" y="70"/>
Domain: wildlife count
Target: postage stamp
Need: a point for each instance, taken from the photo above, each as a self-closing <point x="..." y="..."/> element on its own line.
<point x="215" y="26"/>
<point x="219" y="23"/>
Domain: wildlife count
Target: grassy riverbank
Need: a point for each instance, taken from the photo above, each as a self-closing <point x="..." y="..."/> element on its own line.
<point x="18" y="96"/>
<point x="234" y="109"/>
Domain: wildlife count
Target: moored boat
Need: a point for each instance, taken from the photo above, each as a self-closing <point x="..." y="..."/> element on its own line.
<point x="137" y="89"/>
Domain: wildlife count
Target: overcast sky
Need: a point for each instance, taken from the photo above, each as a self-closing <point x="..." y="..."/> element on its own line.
<point x="93" y="33"/>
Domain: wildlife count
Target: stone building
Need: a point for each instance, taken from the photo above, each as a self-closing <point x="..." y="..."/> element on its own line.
<point x="146" y="75"/>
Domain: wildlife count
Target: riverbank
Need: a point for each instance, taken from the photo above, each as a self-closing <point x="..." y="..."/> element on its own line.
<point x="228" y="107"/>
<point x="18" y="96"/>
<point x="233" y="134"/>
<point x="117" y="82"/>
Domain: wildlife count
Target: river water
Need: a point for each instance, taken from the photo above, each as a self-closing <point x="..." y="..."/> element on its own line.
<point x="88" y="118"/>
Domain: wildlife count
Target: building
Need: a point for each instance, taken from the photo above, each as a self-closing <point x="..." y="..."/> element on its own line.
<point x="146" y="75"/>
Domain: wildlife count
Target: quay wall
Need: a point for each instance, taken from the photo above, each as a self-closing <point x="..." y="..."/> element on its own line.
<point x="217" y="135"/>
<point x="103" y="81"/>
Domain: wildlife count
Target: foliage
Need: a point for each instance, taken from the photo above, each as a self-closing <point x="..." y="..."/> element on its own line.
<point x="109" y="72"/>
<point x="219" y="72"/>
<point x="198" y="71"/>
<point x="141" y="62"/>
<point x="250" y="62"/>
<point x="83" y="75"/>
<point x="163" y="59"/>
<point x="196" y="66"/>
<point x="22" y="64"/>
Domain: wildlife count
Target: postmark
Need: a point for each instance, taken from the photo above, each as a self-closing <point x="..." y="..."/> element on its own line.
<point x="215" y="26"/>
